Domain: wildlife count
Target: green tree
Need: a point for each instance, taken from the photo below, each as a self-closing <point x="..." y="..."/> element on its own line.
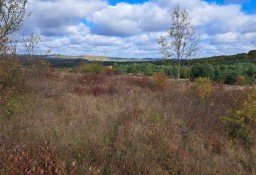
<point x="181" y="41"/>
<point x="252" y="53"/>
<point x="148" y="71"/>
<point x="202" y="70"/>
<point x="185" y="72"/>
<point x="219" y="76"/>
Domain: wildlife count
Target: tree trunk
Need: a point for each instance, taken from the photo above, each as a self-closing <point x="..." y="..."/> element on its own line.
<point x="179" y="67"/>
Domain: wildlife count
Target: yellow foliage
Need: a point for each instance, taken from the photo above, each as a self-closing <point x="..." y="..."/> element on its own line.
<point x="160" y="80"/>
<point x="110" y="67"/>
<point x="241" y="80"/>
<point x="202" y="87"/>
<point x="242" y="122"/>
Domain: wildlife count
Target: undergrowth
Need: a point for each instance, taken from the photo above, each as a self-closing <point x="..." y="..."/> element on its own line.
<point x="107" y="124"/>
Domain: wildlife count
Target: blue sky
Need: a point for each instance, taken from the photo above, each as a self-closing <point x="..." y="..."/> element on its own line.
<point x="131" y="28"/>
<point x="248" y="6"/>
<point x="114" y="2"/>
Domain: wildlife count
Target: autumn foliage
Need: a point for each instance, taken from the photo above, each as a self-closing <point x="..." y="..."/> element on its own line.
<point x="110" y="124"/>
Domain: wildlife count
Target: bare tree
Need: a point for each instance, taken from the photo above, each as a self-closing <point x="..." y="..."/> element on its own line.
<point x="181" y="41"/>
<point x="12" y="16"/>
<point x="29" y="44"/>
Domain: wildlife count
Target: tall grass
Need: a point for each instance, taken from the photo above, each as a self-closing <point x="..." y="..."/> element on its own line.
<point x="105" y="124"/>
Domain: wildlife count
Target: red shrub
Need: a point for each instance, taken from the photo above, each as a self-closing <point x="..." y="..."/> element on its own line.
<point x="92" y="79"/>
<point x="159" y="82"/>
<point x="99" y="90"/>
<point x="143" y="82"/>
<point x="31" y="159"/>
<point x="79" y="90"/>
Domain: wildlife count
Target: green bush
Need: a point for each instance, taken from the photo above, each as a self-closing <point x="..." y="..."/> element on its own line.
<point x="230" y="78"/>
<point x="252" y="53"/>
<point x="185" y="72"/>
<point x="242" y="122"/>
<point x="202" y="70"/>
<point x="92" y="68"/>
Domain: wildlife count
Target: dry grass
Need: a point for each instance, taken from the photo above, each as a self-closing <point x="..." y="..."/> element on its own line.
<point x="100" y="124"/>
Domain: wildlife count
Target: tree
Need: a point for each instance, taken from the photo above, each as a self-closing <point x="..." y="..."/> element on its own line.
<point x="252" y="53"/>
<point x="181" y="41"/>
<point x="202" y="70"/>
<point x="12" y="16"/>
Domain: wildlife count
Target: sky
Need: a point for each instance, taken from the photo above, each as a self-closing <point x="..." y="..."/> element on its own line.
<point x="130" y="28"/>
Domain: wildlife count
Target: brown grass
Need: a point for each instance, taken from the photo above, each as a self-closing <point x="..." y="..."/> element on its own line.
<point x="101" y="124"/>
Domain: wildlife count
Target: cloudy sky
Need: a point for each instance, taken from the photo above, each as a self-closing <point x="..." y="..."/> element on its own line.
<point x="130" y="28"/>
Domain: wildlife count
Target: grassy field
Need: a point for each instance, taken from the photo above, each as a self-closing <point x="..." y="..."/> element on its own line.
<point x="107" y="124"/>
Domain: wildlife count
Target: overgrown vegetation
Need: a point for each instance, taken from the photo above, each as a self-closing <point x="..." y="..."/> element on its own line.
<point x="70" y="123"/>
<point x="92" y="121"/>
<point x="242" y="121"/>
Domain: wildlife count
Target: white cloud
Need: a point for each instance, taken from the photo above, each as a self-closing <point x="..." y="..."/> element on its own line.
<point x="227" y="38"/>
<point x="54" y="17"/>
<point x="129" y="19"/>
<point x="131" y="30"/>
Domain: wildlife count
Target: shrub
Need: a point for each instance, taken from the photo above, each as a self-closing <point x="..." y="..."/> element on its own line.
<point x="91" y="68"/>
<point x="202" y="70"/>
<point x="241" y="80"/>
<point x="160" y="80"/>
<point x="12" y="108"/>
<point x="11" y="75"/>
<point x="100" y="90"/>
<point x="41" y="69"/>
<point x="12" y="81"/>
<point x="32" y="159"/>
<point x="202" y="87"/>
<point x="148" y="71"/>
<point x="242" y="122"/>
<point x="185" y="72"/>
<point x="230" y="78"/>
<point x="92" y="79"/>
<point x="143" y="82"/>
<point x="119" y="69"/>
<point x="252" y="53"/>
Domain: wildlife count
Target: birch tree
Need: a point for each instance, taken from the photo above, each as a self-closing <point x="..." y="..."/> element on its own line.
<point x="181" y="42"/>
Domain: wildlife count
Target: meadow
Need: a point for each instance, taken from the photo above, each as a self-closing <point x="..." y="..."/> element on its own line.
<point x="60" y="122"/>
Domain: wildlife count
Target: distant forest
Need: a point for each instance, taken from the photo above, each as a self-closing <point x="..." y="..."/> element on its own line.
<point x="235" y="69"/>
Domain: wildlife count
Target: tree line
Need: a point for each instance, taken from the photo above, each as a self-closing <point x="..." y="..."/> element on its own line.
<point x="237" y="73"/>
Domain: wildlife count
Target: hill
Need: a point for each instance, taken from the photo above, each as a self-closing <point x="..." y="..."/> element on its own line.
<point x="73" y="61"/>
<point x="94" y="58"/>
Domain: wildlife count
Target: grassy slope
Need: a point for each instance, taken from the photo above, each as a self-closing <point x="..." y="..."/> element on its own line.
<point x="99" y="124"/>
